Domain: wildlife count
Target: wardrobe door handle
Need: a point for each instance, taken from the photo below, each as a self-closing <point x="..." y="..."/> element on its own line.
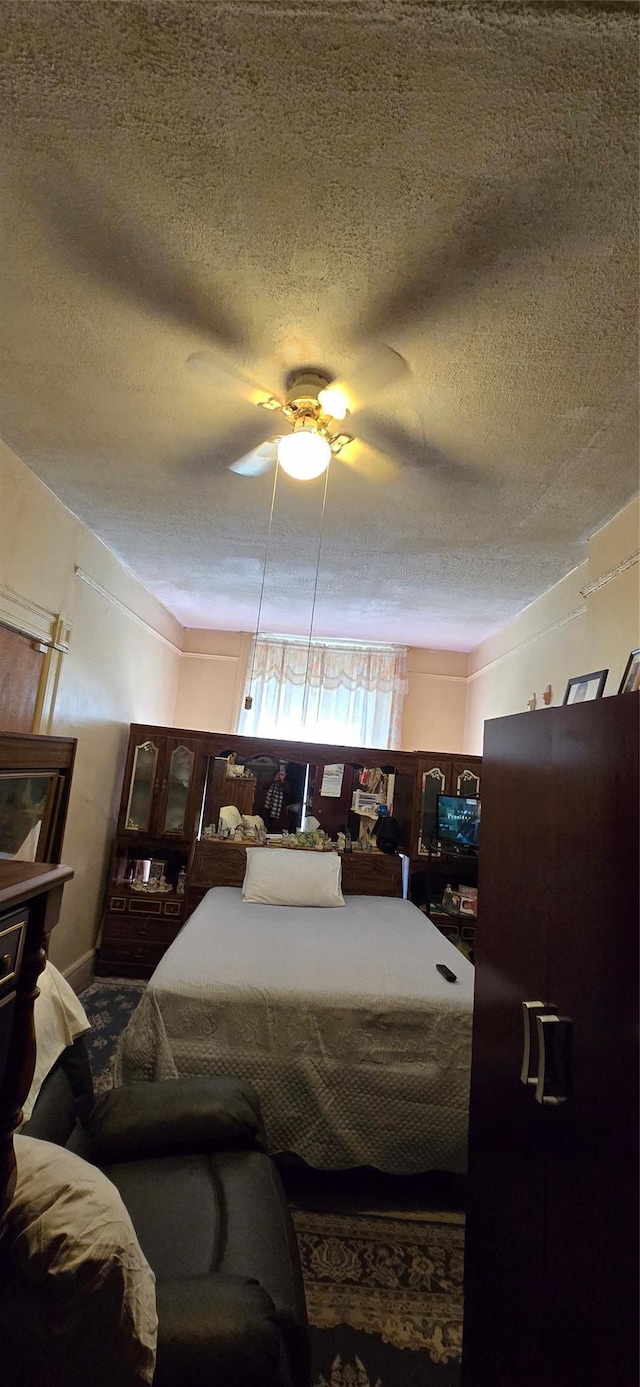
<point x="530" y="1048"/>
<point x="554" y="1076"/>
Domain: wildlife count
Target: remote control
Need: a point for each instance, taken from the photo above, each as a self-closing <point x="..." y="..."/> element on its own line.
<point x="446" y="972"/>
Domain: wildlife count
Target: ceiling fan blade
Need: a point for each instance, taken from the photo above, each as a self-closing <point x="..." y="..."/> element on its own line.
<point x="388" y="437"/>
<point x="226" y="376"/>
<point x="379" y="369"/>
<point x="506" y="224"/>
<point x="99" y="238"/>
<point x="368" y="463"/>
<point x="256" y="463"/>
<point x="251" y="433"/>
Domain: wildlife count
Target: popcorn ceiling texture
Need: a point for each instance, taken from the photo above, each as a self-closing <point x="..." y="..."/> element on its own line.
<point x="283" y="184"/>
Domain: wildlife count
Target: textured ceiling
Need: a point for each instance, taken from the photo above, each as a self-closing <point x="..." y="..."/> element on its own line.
<point x="283" y="184"/>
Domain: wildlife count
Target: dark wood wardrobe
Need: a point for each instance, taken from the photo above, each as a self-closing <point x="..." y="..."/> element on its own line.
<point x="551" y="1280"/>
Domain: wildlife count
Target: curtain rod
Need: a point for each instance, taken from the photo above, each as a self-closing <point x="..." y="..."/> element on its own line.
<point x="328" y="641"/>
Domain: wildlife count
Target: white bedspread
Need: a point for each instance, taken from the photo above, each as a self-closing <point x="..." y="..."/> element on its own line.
<point x="359" y="1050"/>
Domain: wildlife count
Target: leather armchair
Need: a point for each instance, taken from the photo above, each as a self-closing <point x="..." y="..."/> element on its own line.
<point x="210" y="1214"/>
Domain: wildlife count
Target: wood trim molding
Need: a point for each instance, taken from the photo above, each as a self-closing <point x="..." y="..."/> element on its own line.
<point x="80" y="974"/>
<point x="50" y="630"/>
<point x="449" y="678"/>
<point x="529" y="640"/>
<point x="612" y="573"/>
<point x="205" y="655"/>
<point x="29" y="618"/>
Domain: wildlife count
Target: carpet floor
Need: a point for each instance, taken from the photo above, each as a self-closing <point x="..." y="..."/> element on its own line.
<point x="382" y="1256"/>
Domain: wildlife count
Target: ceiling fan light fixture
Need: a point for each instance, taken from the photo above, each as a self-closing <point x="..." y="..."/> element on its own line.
<point x="334" y="401"/>
<point x="304" y="454"/>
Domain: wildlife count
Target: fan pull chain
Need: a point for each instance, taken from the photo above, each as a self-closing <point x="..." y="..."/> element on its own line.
<point x="248" y="702"/>
<point x="305" y="696"/>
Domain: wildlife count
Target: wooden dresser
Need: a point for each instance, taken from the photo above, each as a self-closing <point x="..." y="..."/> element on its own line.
<point x="224" y="864"/>
<point x="30" y="899"/>
<point x="177" y="779"/>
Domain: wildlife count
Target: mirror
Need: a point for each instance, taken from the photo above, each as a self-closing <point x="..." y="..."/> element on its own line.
<point x="433" y="784"/>
<point x="288" y="795"/>
<point x="25" y="805"/>
<point x="178" y="783"/>
<point x="143" y="774"/>
<point x="259" y="786"/>
<point x="468" y="784"/>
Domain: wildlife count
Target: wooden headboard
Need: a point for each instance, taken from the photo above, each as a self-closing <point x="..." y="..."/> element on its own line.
<point x="216" y="863"/>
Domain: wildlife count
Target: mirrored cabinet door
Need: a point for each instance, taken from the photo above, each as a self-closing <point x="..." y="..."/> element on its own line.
<point x="180" y="764"/>
<point x="180" y="775"/>
<point x="142" y="781"/>
<point x="433" y="782"/>
<point x="465" y="779"/>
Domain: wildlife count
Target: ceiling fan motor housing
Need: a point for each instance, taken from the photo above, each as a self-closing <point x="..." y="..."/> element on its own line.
<point x="304" y="386"/>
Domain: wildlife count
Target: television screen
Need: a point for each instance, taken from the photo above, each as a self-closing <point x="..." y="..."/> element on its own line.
<point x="458" y="822"/>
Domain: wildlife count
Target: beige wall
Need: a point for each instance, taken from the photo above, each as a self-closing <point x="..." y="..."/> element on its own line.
<point x="121" y="666"/>
<point x="211" y="681"/>
<point x="435" y="703"/>
<point x="589" y="621"/>
<point x="212" y="678"/>
<point x="613" y="597"/>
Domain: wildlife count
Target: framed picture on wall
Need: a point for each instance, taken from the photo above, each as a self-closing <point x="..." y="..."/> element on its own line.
<point x="585" y="687"/>
<point x="631" y="678"/>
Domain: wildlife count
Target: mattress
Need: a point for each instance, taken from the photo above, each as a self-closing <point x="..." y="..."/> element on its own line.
<point x="360" y="1051"/>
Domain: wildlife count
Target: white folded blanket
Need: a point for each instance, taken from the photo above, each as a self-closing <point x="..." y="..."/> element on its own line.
<point x="59" y="1018"/>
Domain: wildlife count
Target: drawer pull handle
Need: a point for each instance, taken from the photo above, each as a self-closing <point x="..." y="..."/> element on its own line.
<point x="530" y="1063"/>
<point x="5" y="963"/>
<point x="554" y="1076"/>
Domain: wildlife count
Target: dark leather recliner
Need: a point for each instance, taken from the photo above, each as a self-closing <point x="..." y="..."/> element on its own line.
<point x="211" y="1216"/>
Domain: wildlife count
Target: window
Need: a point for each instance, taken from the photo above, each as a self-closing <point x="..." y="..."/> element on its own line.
<point x="327" y="692"/>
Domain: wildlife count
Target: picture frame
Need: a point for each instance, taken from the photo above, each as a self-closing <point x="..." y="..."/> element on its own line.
<point x="630" y="681"/>
<point x="583" y="688"/>
<point x="157" y="869"/>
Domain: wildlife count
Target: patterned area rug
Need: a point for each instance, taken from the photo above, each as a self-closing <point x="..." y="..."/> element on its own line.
<point x="383" y="1286"/>
<point x="384" y="1295"/>
<point x="108" y="1005"/>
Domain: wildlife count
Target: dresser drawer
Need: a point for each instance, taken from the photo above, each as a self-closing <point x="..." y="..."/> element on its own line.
<point x="151" y="907"/>
<point x="133" y="957"/>
<point x="13" y="929"/>
<point x="137" y="931"/>
<point x="371" y="874"/>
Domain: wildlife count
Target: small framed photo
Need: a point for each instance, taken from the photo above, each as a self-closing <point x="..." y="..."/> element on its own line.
<point x="631" y="678"/>
<point x="157" y="869"/>
<point x="586" y="687"/>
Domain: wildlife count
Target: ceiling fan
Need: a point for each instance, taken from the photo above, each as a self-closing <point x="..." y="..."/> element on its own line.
<point x="310" y="428"/>
<point x="315" y="418"/>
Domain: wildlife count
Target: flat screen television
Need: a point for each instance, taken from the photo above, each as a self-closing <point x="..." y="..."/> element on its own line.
<point x="458" y="822"/>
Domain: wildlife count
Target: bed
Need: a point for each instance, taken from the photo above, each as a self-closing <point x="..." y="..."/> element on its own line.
<point x="360" y="1051"/>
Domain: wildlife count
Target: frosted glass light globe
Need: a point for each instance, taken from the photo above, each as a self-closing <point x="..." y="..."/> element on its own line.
<point x="334" y="401"/>
<point x="304" y="455"/>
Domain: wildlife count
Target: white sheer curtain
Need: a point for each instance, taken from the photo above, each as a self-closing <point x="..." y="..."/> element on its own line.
<point x="350" y="695"/>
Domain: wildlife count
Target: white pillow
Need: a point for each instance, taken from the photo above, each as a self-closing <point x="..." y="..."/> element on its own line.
<point x="292" y="876"/>
<point x="70" y="1236"/>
